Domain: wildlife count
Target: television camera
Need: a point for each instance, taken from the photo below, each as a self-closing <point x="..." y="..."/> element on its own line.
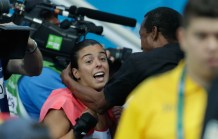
<point x="57" y="41"/>
<point x="11" y="49"/>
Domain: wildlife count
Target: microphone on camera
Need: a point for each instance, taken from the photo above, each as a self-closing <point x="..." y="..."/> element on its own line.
<point x="107" y="17"/>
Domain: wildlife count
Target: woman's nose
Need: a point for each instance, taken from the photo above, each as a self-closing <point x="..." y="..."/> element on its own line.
<point x="98" y="63"/>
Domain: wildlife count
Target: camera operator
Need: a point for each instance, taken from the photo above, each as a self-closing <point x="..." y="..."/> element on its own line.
<point x="161" y="53"/>
<point x="30" y="65"/>
<point x="20" y="55"/>
<point x="27" y="94"/>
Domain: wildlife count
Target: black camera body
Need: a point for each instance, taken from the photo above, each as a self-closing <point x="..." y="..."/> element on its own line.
<point x="13" y="38"/>
<point x="58" y="41"/>
<point x="120" y="54"/>
<point x="54" y="41"/>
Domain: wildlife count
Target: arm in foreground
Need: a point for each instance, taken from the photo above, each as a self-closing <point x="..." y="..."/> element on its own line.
<point x="31" y="64"/>
<point x="91" y="98"/>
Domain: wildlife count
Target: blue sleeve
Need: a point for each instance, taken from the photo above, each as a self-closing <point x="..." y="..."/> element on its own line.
<point x="34" y="91"/>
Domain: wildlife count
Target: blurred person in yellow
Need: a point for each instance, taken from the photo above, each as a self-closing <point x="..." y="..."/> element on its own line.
<point x="172" y="105"/>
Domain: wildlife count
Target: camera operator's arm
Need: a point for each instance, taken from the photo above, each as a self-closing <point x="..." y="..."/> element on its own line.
<point x="91" y="98"/>
<point x="31" y="64"/>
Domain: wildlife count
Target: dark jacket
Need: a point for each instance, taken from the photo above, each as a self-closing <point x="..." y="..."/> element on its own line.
<point x="138" y="67"/>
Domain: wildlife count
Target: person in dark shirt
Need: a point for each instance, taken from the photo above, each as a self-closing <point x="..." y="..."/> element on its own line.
<point x="161" y="53"/>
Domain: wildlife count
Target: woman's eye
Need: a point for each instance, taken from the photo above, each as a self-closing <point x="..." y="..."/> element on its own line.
<point x="103" y="59"/>
<point x="88" y="61"/>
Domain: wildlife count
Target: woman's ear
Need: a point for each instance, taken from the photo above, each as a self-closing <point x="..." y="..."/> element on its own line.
<point x="76" y="73"/>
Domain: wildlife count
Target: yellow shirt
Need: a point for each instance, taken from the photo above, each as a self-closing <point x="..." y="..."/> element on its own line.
<point x="151" y="112"/>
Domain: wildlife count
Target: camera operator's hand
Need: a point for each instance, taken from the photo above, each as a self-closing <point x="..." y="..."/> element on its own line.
<point x="30" y="65"/>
